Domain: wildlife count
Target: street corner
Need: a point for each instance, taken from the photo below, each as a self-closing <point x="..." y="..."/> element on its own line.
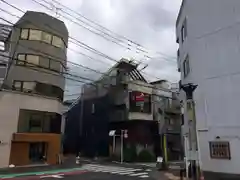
<point x="171" y="176"/>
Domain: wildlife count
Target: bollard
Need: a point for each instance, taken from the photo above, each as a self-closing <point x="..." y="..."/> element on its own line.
<point x="77" y="160"/>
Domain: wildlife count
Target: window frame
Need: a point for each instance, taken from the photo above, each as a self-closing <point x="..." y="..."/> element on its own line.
<point x="184" y="30"/>
<point x="33" y="119"/>
<point x="14" y="87"/>
<point x="40" y="35"/>
<point x="32" y="64"/>
<point x="47" y="67"/>
<point x="63" y="45"/>
<point x="27" y="33"/>
<point x="186" y="66"/>
<point x="51" y="37"/>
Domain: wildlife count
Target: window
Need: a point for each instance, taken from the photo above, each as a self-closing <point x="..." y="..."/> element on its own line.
<point x="24" y="33"/>
<point x="2" y="46"/>
<point x="35" y="123"/>
<point x="35" y="35"/>
<point x="219" y="150"/>
<point x="184" y="30"/>
<point x="29" y="85"/>
<point x="26" y="86"/>
<point x="58" y="42"/>
<point x="32" y="60"/>
<point x="186" y="67"/>
<point x="21" y="59"/>
<point x="55" y="65"/>
<point x="17" y="85"/>
<point x="46" y="37"/>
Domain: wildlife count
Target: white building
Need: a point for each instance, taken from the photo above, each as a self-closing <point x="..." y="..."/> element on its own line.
<point x="208" y="33"/>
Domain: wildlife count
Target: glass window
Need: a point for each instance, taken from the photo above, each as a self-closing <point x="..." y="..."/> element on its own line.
<point x="46" y="37"/>
<point x="44" y="62"/>
<point x="29" y="85"/>
<point x="58" y="42"/>
<point x="32" y="60"/>
<point x="17" y="85"/>
<point x="55" y="65"/>
<point x="35" y="35"/>
<point x="21" y="59"/>
<point x="2" y="46"/>
<point x="24" y="33"/>
<point x="35" y="123"/>
<point x="186" y="67"/>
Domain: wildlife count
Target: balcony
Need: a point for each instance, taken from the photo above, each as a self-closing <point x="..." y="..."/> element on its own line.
<point x="173" y="129"/>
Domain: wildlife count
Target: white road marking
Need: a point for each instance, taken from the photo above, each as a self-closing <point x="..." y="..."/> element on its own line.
<point x="117" y="170"/>
<point x="144" y="176"/>
<point x="139" y="174"/>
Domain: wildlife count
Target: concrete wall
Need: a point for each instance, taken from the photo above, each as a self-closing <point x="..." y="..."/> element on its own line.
<point x="212" y="44"/>
<point x="10" y="103"/>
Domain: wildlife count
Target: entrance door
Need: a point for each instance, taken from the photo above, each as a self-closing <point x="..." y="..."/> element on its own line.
<point x="37" y="152"/>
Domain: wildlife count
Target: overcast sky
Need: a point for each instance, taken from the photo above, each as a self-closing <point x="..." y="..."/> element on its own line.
<point x="150" y="23"/>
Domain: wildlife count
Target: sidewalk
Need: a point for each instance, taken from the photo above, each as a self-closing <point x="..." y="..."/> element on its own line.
<point x="69" y="162"/>
<point x="165" y="175"/>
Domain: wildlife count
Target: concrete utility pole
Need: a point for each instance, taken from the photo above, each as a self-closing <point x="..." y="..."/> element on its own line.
<point x="162" y="134"/>
<point x="193" y="142"/>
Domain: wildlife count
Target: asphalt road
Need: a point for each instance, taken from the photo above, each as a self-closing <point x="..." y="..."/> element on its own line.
<point x="97" y="176"/>
<point x="86" y="172"/>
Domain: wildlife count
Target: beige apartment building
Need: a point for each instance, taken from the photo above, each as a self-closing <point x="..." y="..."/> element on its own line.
<point x="31" y="95"/>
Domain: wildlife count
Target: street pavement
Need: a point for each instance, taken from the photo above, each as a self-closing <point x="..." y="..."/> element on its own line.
<point x="88" y="171"/>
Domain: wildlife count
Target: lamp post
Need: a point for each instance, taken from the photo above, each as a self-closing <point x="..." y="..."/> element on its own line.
<point x="193" y="142"/>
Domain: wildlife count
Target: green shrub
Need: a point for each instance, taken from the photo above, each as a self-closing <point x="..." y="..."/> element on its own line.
<point x="145" y="156"/>
<point x="130" y="154"/>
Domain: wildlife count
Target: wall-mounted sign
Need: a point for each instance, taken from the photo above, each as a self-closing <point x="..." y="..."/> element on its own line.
<point x="140" y="102"/>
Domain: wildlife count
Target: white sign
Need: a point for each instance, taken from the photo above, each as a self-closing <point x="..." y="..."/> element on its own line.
<point x="159" y="159"/>
<point x="112" y="132"/>
<point x="126" y="134"/>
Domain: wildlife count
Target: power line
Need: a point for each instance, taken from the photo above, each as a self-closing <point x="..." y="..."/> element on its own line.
<point x="116" y="61"/>
<point x="79" y="43"/>
<point x="127" y="47"/>
<point x="60" y="58"/>
<point x="108" y="30"/>
<point x="93" y="82"/>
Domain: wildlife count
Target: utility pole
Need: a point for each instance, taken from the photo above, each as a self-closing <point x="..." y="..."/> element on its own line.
<point x="193" y="142"/>
<point x="162" y="134"/>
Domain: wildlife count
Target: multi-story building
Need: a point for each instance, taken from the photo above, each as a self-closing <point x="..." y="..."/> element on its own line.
<point x="120" y="100"/>
<point x="32" y="93"/>
<point x="166" y="109"/>
<point x="4" y="54"/>
<point x="208" y="37"/>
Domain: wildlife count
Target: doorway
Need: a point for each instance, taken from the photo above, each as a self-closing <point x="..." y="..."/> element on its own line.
<point x="38" y="152"/>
